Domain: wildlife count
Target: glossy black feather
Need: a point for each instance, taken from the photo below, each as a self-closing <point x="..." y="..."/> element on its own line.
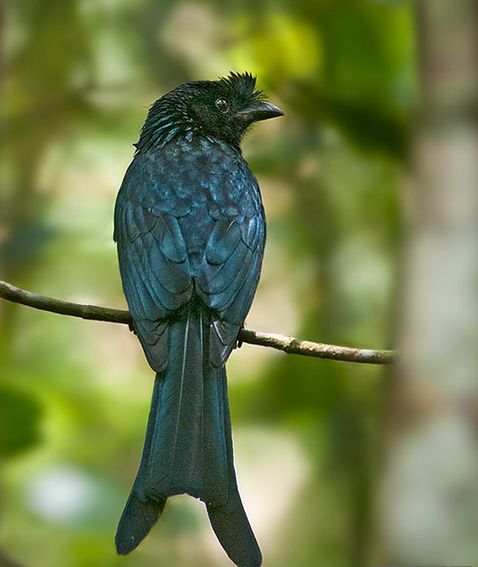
<point x="140" y="513"/>
<point x="190" y="230"/>
<point x="229" y="522"/>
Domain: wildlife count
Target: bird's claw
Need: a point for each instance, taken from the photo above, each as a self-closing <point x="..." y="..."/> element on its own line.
<point x="239" y="341"/>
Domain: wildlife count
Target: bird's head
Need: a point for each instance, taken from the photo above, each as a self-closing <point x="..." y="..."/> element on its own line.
<point x="221" y="110"/>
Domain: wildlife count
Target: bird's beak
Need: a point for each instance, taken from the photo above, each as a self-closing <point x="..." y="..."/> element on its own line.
<point x="260" y="110"/>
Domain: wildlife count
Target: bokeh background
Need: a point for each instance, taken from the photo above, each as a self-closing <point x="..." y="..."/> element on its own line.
<point x="76" y="79"/>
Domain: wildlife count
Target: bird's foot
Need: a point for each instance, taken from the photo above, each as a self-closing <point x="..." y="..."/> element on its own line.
<point x="239" y="342"/>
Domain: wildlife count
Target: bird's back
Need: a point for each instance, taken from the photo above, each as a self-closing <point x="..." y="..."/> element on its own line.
<point x="190" y="232"/>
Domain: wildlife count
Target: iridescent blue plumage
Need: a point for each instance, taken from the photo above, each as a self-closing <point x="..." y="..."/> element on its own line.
<point x="190" y="230"/>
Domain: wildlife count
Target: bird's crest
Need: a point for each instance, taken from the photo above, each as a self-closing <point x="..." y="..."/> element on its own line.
<point x="242" y="83"/>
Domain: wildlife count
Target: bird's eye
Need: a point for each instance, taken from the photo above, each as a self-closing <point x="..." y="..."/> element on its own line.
<point x="222" y="105"/>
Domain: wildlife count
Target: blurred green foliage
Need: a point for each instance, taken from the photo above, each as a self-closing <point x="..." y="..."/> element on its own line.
<point x="17" y="407"/>
<point x="76" y="78"/>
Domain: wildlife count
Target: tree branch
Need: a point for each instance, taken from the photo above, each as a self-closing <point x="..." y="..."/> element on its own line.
<point x="289" y="345"/>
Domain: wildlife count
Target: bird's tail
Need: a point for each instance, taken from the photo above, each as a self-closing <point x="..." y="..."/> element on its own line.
<point x="188" y="448"/>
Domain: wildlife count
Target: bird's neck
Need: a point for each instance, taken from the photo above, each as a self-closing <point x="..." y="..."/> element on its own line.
<point x="170" y="122"/>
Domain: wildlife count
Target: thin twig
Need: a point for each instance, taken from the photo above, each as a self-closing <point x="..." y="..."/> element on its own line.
<point x="289" y="345"/>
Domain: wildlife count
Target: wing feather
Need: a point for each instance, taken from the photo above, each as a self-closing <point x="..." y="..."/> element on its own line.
<point x="229" y="287"/>
<point x="155" y="274"/>
<point x="155" y="241"/>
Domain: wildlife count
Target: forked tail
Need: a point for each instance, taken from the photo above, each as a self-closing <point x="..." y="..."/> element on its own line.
<point x="188" y="448"/>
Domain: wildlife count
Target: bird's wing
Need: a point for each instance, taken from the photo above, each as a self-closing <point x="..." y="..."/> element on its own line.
<point x="181" y="237"/>
<point x="228" y="278"/>
<point x="155" y="272"/>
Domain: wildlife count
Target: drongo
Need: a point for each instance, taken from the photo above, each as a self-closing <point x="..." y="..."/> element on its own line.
<point x="190" y="232"/>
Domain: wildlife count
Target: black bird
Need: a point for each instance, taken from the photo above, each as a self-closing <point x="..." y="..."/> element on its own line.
<point x="190" y="231"/>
